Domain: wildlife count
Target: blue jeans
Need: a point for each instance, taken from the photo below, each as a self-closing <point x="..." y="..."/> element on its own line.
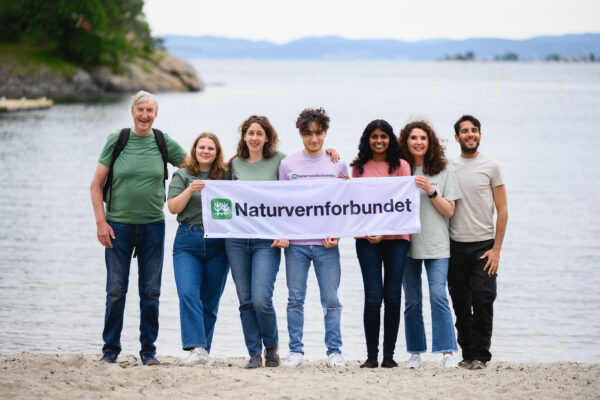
<point x="390" y="256"/>
<point x="328" y="272"/>
<point x="444" y="339"/>
<point x="148" y="240"/>
<point x="254" y="266"/>
<point x="201" y="269"/>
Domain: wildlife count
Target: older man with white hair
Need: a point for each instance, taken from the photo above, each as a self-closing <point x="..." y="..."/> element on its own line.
<point x="130" y="178"/>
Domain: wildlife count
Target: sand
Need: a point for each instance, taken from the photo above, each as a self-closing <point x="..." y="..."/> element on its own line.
<point x="78" y="376"/>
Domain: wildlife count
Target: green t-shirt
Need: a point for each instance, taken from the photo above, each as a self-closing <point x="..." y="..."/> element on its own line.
<point x="266" y="169"/>
<point x="181" y="180"/>
<point x="433" y="242"/>
<point x="137" y="187"/>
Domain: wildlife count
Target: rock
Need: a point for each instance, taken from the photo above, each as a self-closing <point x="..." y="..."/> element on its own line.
<point x="161" y="73"/>
<point x="183" y="70"/>
<point x="34" y="80"/>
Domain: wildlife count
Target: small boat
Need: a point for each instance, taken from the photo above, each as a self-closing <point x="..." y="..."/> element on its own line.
<point x="24" y="104"/>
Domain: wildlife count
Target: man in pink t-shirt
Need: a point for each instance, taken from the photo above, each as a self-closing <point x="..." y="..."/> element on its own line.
<point x="313" y="163"/>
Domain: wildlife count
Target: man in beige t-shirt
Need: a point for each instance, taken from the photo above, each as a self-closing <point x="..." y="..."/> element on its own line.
<point x="474" y="244"/>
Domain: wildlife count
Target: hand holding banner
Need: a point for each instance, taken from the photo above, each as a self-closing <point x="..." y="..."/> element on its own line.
<point x="310" y="209"/>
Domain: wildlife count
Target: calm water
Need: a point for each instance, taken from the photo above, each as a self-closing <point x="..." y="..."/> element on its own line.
<point x="539" y="120"/>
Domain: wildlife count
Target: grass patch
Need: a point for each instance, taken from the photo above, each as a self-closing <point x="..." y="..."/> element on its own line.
<point x="30" y="59"/>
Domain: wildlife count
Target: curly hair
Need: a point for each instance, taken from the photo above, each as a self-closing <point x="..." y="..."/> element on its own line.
<point x="435" y="159"/>
<point x="309" y="115"/>
<point x="217" y="169"/>
<point x="393" y="152"/>
<point x="270" y="146"/>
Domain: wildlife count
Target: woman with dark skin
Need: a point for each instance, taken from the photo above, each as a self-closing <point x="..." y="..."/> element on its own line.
<point x="379" y="156"/>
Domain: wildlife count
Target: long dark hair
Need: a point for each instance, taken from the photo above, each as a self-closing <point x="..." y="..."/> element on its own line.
<point x="435" y="160"/>
<point x="393" y="152"/>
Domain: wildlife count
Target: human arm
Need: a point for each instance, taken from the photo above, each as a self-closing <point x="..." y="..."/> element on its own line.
<point x="443" y="206"/>
<point x="374" y="239"/>
<point x="104" y="232"/>
<point x="493" y="254"/>
<point x="335" y="155"/>
<point x="328" y="242"/>
<point x="183" y="162"/>
<point x="281" y="243"/>
<point x="177" y="204"/>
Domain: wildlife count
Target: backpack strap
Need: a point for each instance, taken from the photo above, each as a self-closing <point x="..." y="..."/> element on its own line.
<point x="119" y="146"/>
<point x="162" y="147"/>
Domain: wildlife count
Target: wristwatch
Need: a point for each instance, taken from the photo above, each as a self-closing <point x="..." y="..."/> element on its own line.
<point x="433" y="195"/>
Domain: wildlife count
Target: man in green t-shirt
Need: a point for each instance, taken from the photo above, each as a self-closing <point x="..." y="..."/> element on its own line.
<point x="133" y="224"/>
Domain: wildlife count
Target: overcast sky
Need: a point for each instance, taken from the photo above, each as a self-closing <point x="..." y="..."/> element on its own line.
<point x="282" y="21"/>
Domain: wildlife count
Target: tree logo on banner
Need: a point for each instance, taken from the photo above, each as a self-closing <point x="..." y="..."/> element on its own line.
<point x="221" y="209"/>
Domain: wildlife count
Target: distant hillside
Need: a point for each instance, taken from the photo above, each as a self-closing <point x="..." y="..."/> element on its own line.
<point x="337" y="48"/>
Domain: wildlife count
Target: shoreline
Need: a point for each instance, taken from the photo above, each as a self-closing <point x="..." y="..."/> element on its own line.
<point x="68" y="376"/>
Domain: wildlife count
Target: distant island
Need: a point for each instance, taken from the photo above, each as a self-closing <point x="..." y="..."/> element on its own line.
<point x="576" y="47"/>
<point x="81" y="49"/>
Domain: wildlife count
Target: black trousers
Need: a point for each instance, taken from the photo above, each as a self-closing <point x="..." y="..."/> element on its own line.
<point x="473" y="292"/>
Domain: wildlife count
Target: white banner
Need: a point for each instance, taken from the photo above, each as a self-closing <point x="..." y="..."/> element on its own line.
<point x="310" y="209"/>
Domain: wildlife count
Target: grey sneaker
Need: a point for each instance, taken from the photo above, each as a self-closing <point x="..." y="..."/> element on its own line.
<point x="448" y="361"/>
<point x="254" y="362"/>
<point x="335" y="360"/>
<point x="272" y="356"/>
<point x="198" y="355"/>
<point x="415" y="361"/>
<point x="293" y="360"/>
<point x="466" y="364"/>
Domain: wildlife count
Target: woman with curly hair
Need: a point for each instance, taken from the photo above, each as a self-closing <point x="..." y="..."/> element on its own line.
<point x="200" y="264"/>
<point x="379" y="156"/>
<point x="255" y="262"/>
<point x="439" y="189"/>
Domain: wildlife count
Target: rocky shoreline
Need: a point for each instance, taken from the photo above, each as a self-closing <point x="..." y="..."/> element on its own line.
<point x="161" y="73"/>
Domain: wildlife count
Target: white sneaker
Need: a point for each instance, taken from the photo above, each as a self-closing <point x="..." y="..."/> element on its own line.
<point x="448" y="361"/>
<point x="414" y="361"/>
<point x="198" y="355"/>
<point x="293" y="360"/>
<point x="335" y="360"/>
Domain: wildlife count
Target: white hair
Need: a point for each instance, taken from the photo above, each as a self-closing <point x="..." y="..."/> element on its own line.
<point x="141" y="97"/>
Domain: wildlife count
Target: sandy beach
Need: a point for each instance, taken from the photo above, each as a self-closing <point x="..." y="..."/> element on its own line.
<point x="78" y="376"/>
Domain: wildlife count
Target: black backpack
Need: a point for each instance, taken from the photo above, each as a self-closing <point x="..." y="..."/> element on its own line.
<point x="119" y="146"/>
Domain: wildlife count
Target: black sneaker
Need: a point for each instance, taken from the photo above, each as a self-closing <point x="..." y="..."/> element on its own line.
<point x="109" y="358"/>
<point x="477" y="364"/>
<point x="466" y="364"/>
<point x="370" y="363"/>
<point x="254" y="362"/>
<point x="149" y="359"/>
<point x="272" y="356"/>
<point x="388" y="362"/>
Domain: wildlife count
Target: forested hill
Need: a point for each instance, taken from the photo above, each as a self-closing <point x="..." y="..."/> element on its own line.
<point x="82" y="48"/>
<point x="572" y="47"/>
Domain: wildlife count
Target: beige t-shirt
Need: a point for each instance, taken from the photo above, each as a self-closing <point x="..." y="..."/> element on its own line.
<point x="473" y="219"/>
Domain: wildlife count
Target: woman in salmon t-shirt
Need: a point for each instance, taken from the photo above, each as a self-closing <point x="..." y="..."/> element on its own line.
<point x="379" y="156"/>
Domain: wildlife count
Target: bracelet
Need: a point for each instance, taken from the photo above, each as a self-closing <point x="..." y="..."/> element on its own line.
<point x="433" y="195"/>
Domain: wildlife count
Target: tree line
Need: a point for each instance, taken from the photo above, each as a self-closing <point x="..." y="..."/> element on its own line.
<point x="89" y="32"/>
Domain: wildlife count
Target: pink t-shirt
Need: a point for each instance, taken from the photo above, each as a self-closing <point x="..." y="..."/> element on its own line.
<point x="380" y="169"/>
